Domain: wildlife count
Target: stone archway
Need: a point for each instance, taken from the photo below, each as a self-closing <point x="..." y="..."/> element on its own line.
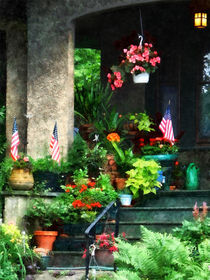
<point x="50" y="67"/>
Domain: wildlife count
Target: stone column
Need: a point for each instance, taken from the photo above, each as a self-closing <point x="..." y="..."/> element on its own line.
<point x="50" y="76"/>
<point x="16" y="91"/>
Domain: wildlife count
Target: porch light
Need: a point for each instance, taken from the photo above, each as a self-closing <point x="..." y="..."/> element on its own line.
<point x="200" y="20"/>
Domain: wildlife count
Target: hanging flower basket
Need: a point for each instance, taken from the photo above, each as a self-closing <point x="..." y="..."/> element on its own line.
<point x="142" y="59"/>
<point x="142" y="78"/>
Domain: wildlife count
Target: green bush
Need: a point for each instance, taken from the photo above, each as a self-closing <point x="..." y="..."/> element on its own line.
<point x="196" y="231"/>
<point x="14" y="253"/>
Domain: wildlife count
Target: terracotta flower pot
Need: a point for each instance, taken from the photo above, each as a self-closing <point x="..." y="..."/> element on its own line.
<point x="45" y="239"/>
<point x="104" y="257"/>
<point x="21" y="179"/>
<point x="120" y="183"/>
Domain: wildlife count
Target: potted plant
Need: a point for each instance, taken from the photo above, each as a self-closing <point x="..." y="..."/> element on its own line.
<point x="89" y="106"/>
<point x="143" y="176"/>
<point x="124" y="159"/>
<point x="104" y="246"/>
<point x="136" y="60"/>
<point x="40" y="216"/>
<point x="21" y="177"/>
<point x="82" y="201"/>
<point x="164" y="152"/>
<point x="50" y="172"/>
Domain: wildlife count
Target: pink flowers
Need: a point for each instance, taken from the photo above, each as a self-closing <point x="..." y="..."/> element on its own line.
<point x="135" y="60"/>
<point x="115" y="80"/>
<point x="198" y="215"/>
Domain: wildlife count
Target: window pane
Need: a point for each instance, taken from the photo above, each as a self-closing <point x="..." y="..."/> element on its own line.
<point x="205" y="111"/>
<point x="206" y="67"/>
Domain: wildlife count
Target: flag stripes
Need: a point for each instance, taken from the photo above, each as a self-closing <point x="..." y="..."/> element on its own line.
<point x="166" y="126"/>
<point x="54" y="146"/>
<point x="15" y="141"/>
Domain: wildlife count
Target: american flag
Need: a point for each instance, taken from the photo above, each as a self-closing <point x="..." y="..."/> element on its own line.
<point x="166" y="126"/>
<point x="15" y="141"/>
<point x="54" y="146"/>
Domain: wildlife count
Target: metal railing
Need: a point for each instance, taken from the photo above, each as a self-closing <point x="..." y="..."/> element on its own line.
<point x="90" y="232"/>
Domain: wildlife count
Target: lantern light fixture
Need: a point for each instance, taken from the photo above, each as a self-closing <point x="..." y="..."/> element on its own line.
<point x="200" y="19"/>
<point x="200" y="9"/>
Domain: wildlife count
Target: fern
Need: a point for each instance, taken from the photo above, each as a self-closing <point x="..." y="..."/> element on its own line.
<point x="158" y="256"/>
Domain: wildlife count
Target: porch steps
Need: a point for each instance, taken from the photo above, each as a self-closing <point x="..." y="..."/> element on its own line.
<point x="161" y="212"/>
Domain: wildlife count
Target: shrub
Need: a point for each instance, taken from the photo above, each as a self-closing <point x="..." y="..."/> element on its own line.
<point x="14" y="251"/>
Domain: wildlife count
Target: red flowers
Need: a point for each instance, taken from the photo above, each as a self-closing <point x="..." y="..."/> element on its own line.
<point x="79" y="204"/>
<point x="107" y="241"/>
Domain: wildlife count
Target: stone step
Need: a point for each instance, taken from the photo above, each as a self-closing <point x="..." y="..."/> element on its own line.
<point x="156" y="214"/>
<point x="176" y="198"/>
<point x="132" y="230"/>
<point x="67" y="259"/>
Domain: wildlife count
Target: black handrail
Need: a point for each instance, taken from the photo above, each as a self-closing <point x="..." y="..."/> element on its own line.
<point x="90" y="238"/>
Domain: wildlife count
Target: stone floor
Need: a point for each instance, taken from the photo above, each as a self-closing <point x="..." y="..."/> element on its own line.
<point x="49" y="276"/>
<point x="78" y="275"/>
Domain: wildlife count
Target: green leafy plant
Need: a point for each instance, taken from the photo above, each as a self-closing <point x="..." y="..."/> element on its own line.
<point x="142" y="121"/>
<point x="90" y="105"/>
<point x="3" y="143"/>
<point x="123" y="158"/>
<point x="111" y="121"/>
<point x="79" y="203"/>
<point x="48" y="164"/>
<point x="41" y="211"/>
<point x="157" y="256"/>
<point x="143" y="176"/>
<point x="15" y="251"/>
<point x="196" y="231"/>
<point x="159" y="146"/>
<point x="80" y="156"/>
<point x="23" y="162"/>
<point x="87" y="64"/>
<point x="5" y="171"/>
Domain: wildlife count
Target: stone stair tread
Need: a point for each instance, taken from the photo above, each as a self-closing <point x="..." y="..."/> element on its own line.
<point x="143" y="208"/>
<point x="148" y="223"/>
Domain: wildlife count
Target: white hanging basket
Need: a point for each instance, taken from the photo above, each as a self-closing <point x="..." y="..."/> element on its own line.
<point x="142" y="78"/>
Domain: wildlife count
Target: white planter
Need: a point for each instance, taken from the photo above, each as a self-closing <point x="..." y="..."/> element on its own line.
<point x="141" y="78"/>
<point x="126" y="199"/>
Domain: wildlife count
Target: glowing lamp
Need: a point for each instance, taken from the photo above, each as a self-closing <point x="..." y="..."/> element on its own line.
<point x="200" y="20"/>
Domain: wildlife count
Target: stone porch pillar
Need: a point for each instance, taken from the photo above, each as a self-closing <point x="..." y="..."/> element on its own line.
<point x="50" y="76"/>
<point x="16" y="41"/>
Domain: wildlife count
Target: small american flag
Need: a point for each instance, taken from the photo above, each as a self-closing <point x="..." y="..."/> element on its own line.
<point x="15" y="141"/>
<point x="166" y="126"/>
<point x="54" y="147"/>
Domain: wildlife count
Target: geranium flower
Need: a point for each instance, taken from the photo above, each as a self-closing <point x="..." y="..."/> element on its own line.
<point x="91" y="184"/>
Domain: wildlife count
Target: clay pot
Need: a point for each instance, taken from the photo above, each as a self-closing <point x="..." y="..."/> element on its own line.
<point x="45" y="239"/>
<point x="85" y="130"/>
<point x="113" y="175"/>
<point x="104" y="257"/>
<point x="21" y="179"/>
<point x="120" y="183"/>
